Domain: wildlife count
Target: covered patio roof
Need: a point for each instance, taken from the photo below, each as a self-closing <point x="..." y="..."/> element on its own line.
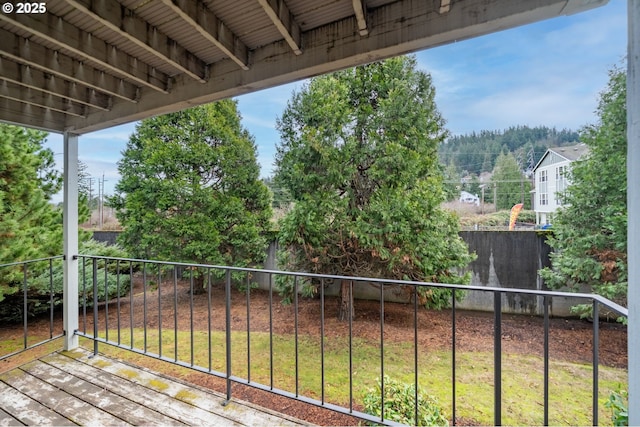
<point x="84" y="65"/>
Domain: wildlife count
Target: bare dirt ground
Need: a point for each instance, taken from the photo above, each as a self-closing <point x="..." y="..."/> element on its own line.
<point x="570" y="339"/>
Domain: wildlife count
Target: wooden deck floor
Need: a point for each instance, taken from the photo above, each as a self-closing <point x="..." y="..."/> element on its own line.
<point x="73" y="389"/>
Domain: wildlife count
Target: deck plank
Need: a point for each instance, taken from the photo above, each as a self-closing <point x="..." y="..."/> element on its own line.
<point x="70" y="407"/>
<point x="27" y="410"/>
<point x="240" y="412"/>
<point x="7" y="419"/>
<point x="131" y="412"/>
<point x="75" y="388"/>
<point x="150" y="398"/>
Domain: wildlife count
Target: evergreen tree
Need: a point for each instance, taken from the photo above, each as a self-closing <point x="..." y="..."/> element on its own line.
<point x="30" y="227"/>
<point x="590" y="232"/>
<point x="190" y="189"/>
<point x="511" y="185"/>
<point x="281" y="198"/>
<point x="358" y="153"/>
<point x="452" y="183"/>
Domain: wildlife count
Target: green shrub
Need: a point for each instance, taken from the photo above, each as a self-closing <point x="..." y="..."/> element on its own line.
<point x="399" y="404"/>
<point x="618" y="403"/>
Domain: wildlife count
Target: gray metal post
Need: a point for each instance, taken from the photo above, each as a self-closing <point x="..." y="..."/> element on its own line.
<point x="70" y="240"/>
<point x="633" y="208"/>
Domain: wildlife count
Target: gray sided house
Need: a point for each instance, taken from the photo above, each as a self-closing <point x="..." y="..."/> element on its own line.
<point x="551" y="179"/>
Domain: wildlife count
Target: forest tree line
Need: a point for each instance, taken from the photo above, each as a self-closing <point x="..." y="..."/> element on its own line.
<point x="475" y="153"/>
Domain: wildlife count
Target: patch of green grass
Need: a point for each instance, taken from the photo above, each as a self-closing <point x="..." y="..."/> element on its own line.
<point x="10" y="345"/>
<point x="158" y="385"/>
<point x="522" y="376"/>
<point x="128" y="373"/>
<point x="186" y="396"/>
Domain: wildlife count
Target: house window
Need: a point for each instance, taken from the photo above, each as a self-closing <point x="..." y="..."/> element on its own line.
<point x="561" y="183"/>
<point x="543" y="199"/>
<point x="542" y="185"/>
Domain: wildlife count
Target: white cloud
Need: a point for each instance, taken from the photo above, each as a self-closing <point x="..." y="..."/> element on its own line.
<point x="549" y="73"/>
<point x="250" y="121"/>
<point x="119" y="133"/>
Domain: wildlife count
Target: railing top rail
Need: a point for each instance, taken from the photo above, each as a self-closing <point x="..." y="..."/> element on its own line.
<point x="604" y="301"/>
<point x="31" y="261"/>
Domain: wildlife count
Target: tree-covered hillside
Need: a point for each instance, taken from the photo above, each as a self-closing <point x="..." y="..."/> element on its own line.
<point x="477" y="152"/>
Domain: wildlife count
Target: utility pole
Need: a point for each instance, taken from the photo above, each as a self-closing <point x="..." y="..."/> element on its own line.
<point x="99" y="202"/>
<point x="102" y="204"/>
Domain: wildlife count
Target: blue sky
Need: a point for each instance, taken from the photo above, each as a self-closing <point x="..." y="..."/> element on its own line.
<point x="549" y="73"/>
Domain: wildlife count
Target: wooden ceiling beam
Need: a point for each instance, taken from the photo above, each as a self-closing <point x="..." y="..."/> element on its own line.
<point x="197" y="15"/>
<point x="360" y="9"/>
<point x="119" y="19"/>
<point x="32" y="78"/>
<point x="19" y="49"/>
<point x="445" y="6"/>
<point x="38" y="98"/>
<point x="32" y="116"/>
<point x="282" y="18"/>
<point x="61" y="33"/>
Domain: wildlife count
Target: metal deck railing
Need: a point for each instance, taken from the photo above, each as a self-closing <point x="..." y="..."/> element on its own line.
<point x="149" y="324"/>
<point x="22" y="276"/>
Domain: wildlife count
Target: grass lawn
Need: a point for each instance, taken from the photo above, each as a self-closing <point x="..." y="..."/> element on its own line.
<point x="522" y="376"/>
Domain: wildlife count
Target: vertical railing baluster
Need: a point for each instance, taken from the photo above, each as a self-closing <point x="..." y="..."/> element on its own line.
<point x="95" y="306"/>
<point x="350" y="315"/>
<point x="415" y="353"/>
<point x="382" y="351"/>
<point x="118" y="298"/>
<point x="295" y="326"/>
<point x="546" y="360"/>
<point x="131" y="320"/>
<point x="175" y="312"/>
<point x="248" y="329"/>
<point x="51" y="298"/>
<point x="209" y="315"/>
<point x="191" y="313"/>
<point x="596" y="359"/>
<point x="453" y="357"/>
<point x="497" y="358"/>
<point x="271" y="330"/>
<point x="106" y="303"/>
<point x="144" y="304"/>
<point x="24" y="306"/>
<point x="84" y="295"/>
<point x="322" y="340"/>
<point x="159" y="289"/>
<point x="227" y="287"/>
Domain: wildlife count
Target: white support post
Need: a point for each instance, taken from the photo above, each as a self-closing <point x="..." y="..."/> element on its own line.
<point x="70" y="238"/>
<point x="633" y="209"/>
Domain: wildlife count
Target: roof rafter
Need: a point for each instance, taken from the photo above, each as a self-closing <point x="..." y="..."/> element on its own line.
<point x="282" y="18"/>
<point x="30" y="115"/>
<point x="58" y="31"/>
<point x="40" y="99"/>
<point x="205" y="22"/>
<point x="22" y="50"/>
<point x="360" y="10"/>
<point x="331" y="47"/>
<point x="126" y="23"/>
<point x="445" y="6"/>
<point x="33" y="78"/>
